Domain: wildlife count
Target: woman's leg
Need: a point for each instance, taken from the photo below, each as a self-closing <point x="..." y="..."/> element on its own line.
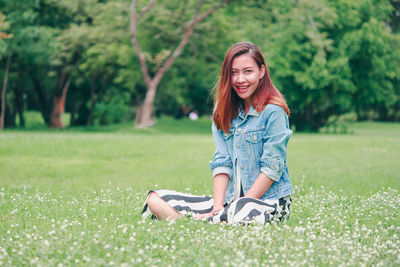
<point x="160" y="208"/>
<point x="171" y="204"/>
<point x="245" y="210"/>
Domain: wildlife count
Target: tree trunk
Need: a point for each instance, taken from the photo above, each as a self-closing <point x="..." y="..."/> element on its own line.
<point x="92" y="102"/>
<point x="143" y="117"/>
<point x="58" y="107"/>
<point x="19" y="105"/>
<point x="9" y="117"/>
<point x="43" y="102"/>
<point x="58" y="110"/>
<point x="3" y="93"/>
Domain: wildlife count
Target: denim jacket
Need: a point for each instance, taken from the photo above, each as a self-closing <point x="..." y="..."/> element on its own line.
<point x="255" y="143"/>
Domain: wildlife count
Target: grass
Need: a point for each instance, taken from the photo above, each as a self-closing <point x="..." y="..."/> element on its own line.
<point x="73" y="197"/>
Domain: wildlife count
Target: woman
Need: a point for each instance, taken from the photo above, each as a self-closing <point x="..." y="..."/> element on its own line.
<point x="250" y="130"/>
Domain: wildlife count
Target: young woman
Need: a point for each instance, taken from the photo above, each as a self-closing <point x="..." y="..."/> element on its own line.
<point x="251" y="131"/>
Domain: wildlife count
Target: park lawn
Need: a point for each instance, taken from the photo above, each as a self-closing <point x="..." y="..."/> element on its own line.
<point x="73" y="197"/>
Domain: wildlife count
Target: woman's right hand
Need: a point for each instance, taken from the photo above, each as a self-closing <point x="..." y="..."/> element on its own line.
<point x="214" y="211"/>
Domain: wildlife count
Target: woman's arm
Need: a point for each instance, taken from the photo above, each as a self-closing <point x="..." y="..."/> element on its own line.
<point x="221" y="167"/>
<point x="260" y="186"/>
<point x="220" y="184"/>
<point x="275" y="140"/>
<point x="276" y="137"/>
<point x="222" y="162"/>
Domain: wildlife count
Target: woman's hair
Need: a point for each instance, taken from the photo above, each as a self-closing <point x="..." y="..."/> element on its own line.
<point x="226" y="100"/>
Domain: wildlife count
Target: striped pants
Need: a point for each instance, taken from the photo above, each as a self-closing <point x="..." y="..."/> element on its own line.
<point x="242" y="210"/>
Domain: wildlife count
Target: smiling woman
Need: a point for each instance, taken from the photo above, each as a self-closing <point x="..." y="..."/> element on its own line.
<point x="251" y="131"/>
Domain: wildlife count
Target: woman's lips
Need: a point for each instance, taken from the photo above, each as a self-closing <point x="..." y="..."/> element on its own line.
<point x="242" y="88"/>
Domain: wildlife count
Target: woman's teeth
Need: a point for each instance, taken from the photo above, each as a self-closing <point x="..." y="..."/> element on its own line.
<point x="242" y="88"/>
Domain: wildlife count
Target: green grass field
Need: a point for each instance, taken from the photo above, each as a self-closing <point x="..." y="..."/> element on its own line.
<point x="74" y="197"/>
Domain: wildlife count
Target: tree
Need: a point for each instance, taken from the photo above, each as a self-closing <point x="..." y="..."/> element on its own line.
<point x="166" y="58"/>
<point x="102" y="53"/>
<point x="328" y="57"/>
<point x="3" y="26"/>
<point x="331" y="57"/>
<point x="34" y="51"/>
<point x="187" y="85"/>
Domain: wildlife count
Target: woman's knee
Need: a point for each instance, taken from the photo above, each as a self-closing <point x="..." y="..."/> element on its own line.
<point x="153" y="199"/>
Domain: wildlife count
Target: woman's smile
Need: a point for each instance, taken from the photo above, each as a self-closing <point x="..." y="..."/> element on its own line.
<point x="242" y="88"/>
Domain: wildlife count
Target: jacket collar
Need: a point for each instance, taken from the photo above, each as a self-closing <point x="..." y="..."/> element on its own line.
<point x="252" y="112"/>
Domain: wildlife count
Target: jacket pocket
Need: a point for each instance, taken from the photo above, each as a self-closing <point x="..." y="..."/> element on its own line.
<point x="253" y="136"/>
<point x="254" y="140"/>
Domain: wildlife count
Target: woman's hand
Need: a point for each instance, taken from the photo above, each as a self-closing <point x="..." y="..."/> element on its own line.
<point x="214" y="211"/>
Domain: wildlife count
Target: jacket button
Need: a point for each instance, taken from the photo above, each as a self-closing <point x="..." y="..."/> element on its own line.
<point x="238" y="145"/>
<point x="239" y="130"/>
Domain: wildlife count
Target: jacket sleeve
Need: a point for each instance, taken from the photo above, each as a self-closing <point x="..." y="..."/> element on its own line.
<point x="276" y="137"/>
<point x="222" y="162"/>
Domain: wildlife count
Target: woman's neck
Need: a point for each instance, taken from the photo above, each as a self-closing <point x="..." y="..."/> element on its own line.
<point x="246" y="105"/>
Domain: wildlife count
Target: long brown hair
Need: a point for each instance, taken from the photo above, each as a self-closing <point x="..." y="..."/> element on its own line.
<point x="227" y="101"/>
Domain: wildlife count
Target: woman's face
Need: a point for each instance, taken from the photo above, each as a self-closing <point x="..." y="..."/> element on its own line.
<point x="246" y="76"/>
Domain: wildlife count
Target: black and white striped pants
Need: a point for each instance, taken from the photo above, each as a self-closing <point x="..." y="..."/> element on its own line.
<point x="242" y="210"/>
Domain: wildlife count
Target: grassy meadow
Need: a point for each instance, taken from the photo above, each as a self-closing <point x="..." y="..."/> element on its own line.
<point x="74" y="197"/>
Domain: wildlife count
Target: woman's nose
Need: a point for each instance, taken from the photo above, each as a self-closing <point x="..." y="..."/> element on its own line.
<point x="240" y="78"/>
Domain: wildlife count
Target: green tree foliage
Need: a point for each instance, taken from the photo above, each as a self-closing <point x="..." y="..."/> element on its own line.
<point x="34" y="54"/>
<point x="98" y="53"/>
<point x="4" y="27"/>
<point x="332" y="57"/>
<point x="327" y="57"/>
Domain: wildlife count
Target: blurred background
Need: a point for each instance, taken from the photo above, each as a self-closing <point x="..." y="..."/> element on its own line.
<point x="74" y="62"/>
